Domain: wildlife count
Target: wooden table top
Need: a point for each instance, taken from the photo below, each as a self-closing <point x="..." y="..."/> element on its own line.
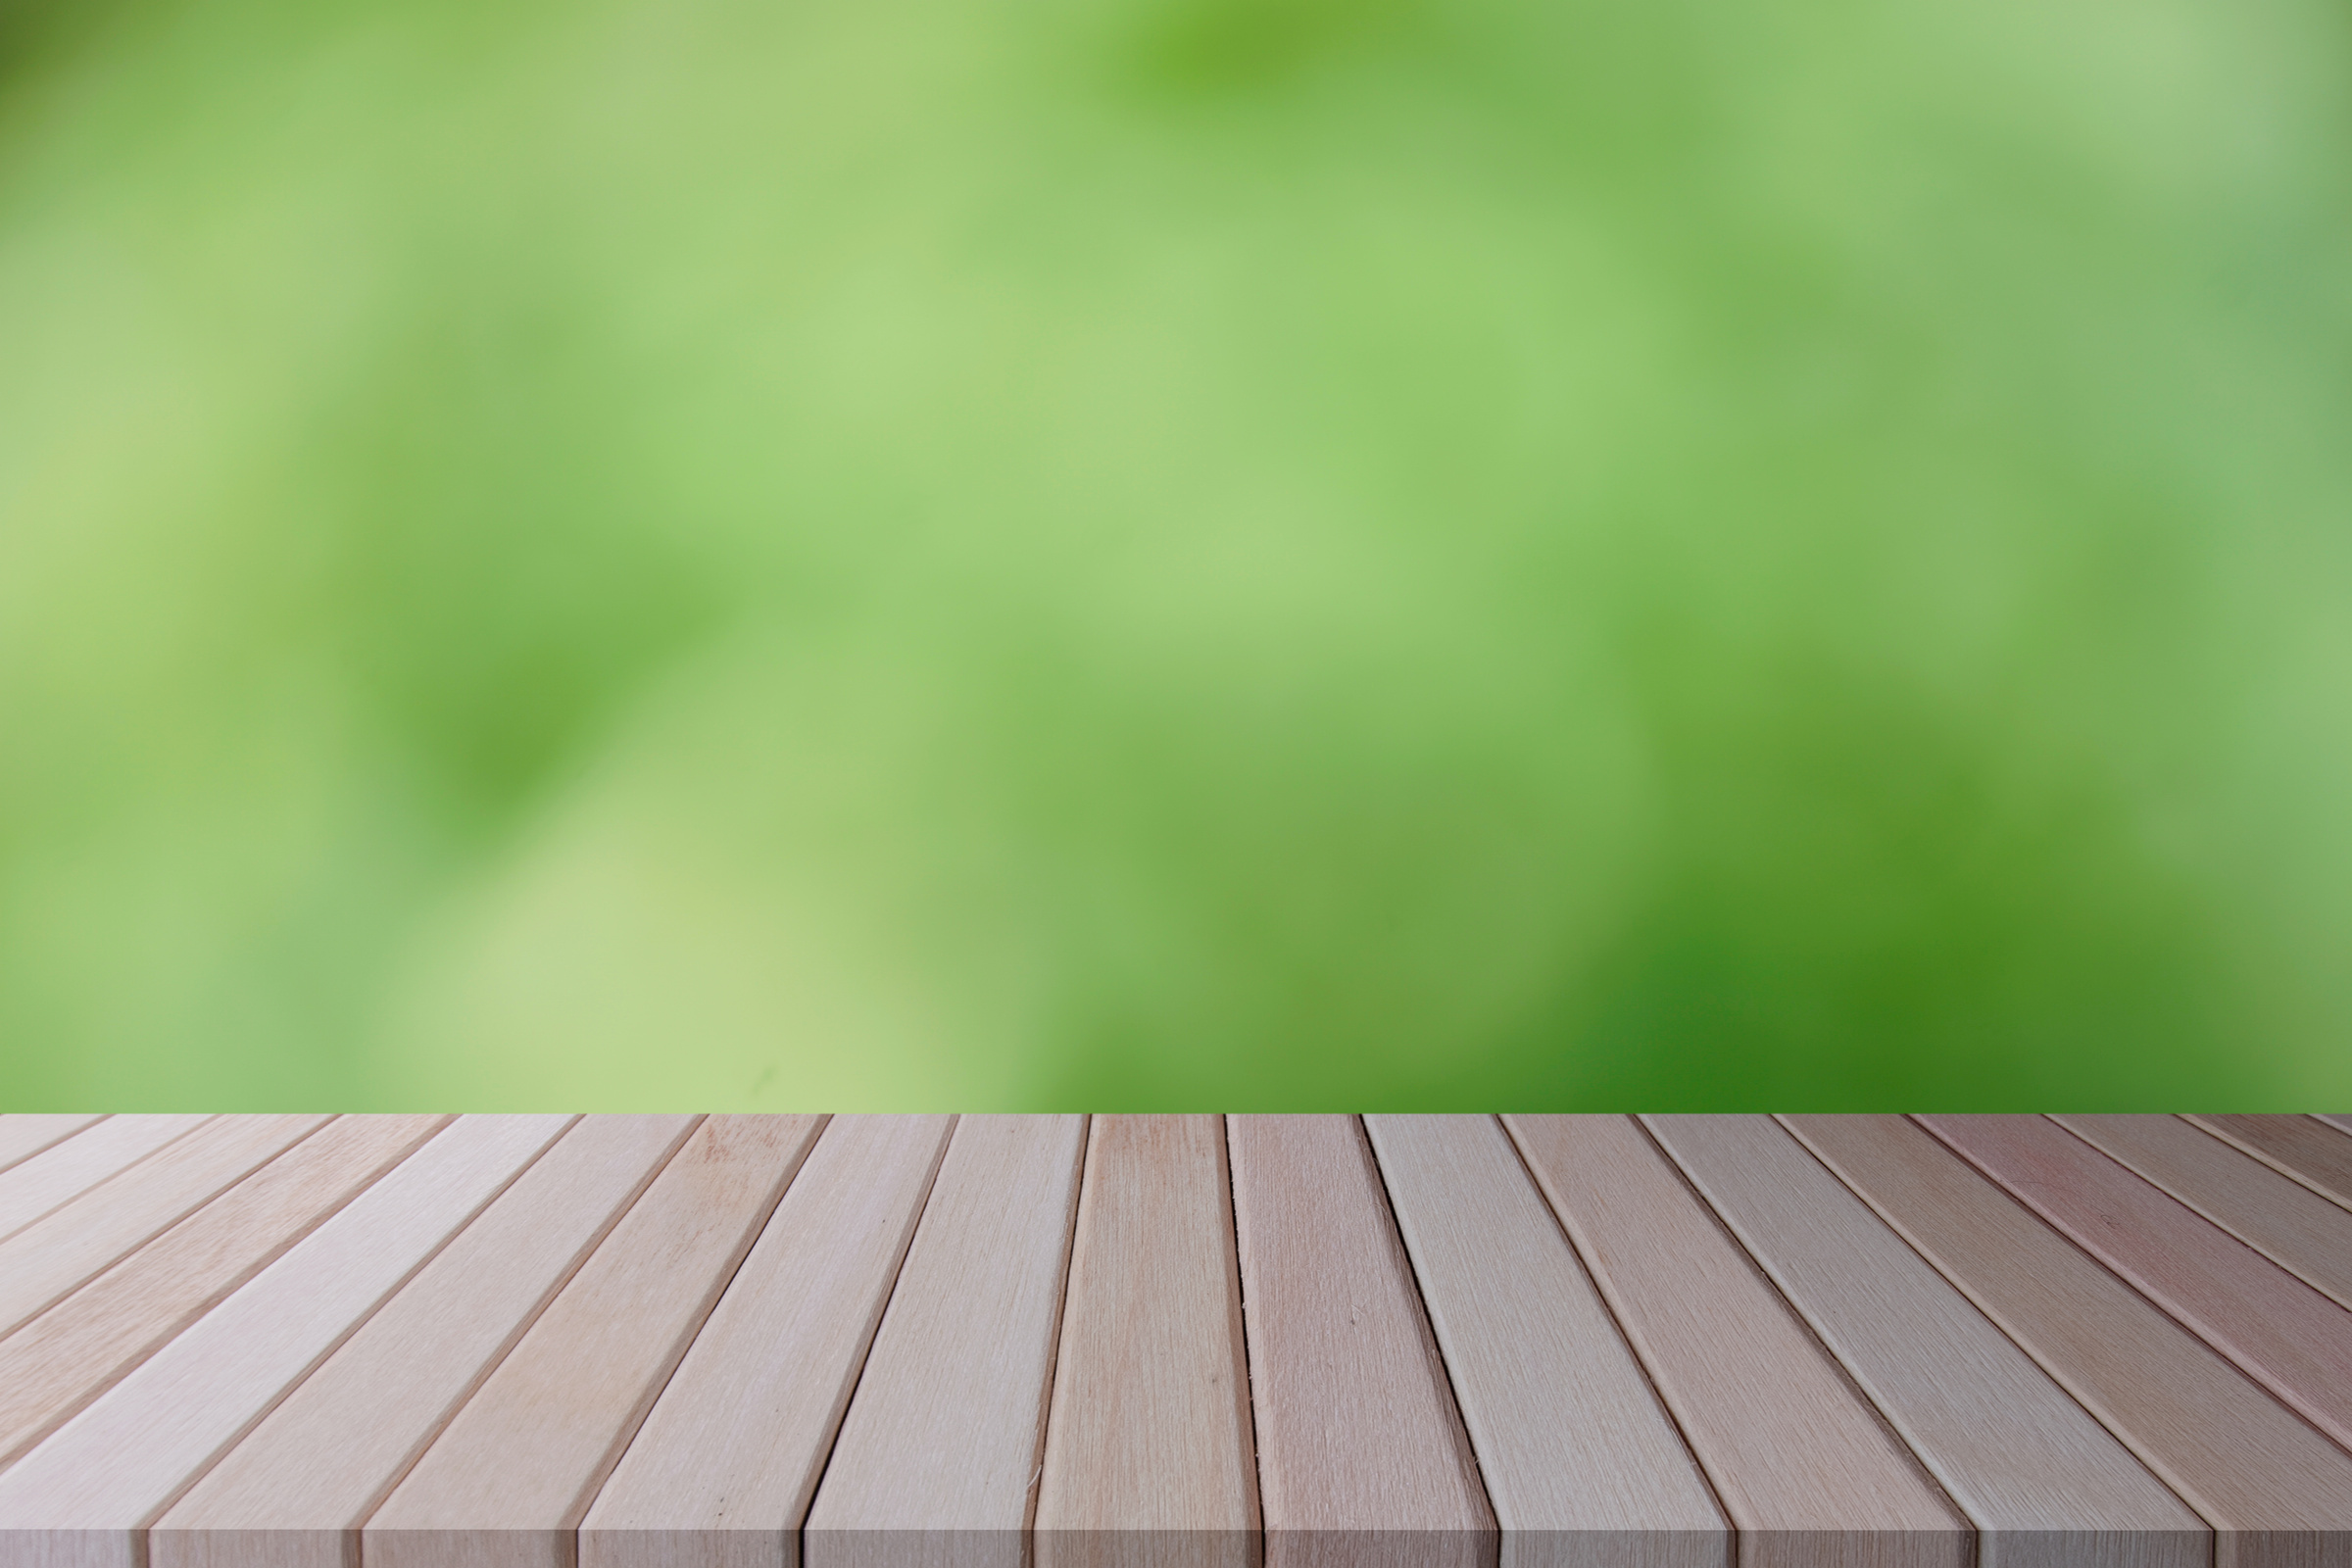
<point x="1175" y="1342"/>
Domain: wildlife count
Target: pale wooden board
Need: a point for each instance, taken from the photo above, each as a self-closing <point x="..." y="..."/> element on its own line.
<point x="1807" y="1470"/>
<point x="76" y="1241"/>
<point x="59" y="1174"/>
<point x="24" y="1134"/>
<point x="2291" y="1339"/>
<point x="1356" y="1427"/>
<point x="2043" y="1482"/>
<point x="938" y="1456"/>
<point x="2342" y="1123"/>
<point x="2294" y="1146"/>
<point x="1148" y="1448"/>
<point x="292" y="1493"/>
<point x="83" y="1498"/>
<point x="724" y="1468"/>
<point x="1579" y="1460"/>
<point x="2266" y="1480"/>
<point x="2288" y="1222"/>
<point x="508" y="1477"/>
<point x="75" y="1352"/>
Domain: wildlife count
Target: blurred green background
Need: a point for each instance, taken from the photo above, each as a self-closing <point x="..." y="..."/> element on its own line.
<point x="1175" y="553"/>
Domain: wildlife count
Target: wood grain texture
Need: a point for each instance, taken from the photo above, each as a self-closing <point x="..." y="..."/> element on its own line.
<point x="727" y="1462"/>
<point x="24" y="1134"/>
<point x="1807" y="1470"/>
<point x="2285" y="1221"/>
<point x="1581" y="1463"/>
<point x="2045" y="1484"/>
<point x="293" y="1494"/>
<point x="85" y="1496"/>
<point x="76" y="1241"/>
<point x="2342" y="1123"/>
<point x="1361" y="1457"/>
<point x="1149" y="1459"/>
<point x="938" y="1458"/>
<point x="506" y="1479"/>
<point x="2278" y="1492"/>
<point x="63" y="1172"/>
<point x="2294" y="1145"/>
<point x="78" y="1349"/>
<point x="2286" y="1335"/>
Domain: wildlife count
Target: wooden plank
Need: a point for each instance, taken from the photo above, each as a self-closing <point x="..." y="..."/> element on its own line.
<point x="76" y="1241"/>
<point x="506" y="1479"/>
<point x="24" y="1134"/>
<point x="1361" y="1457"/>
<point x="937" y="1461"/>
<point x="2286" y="1335"/>
<point x="2342" y="1123"/>
<point x="2278" y="1494"/>
<point x="2292" y="1146"/>
<point x="1579" y="1460"/>
<point x="1148" y="1448"/>
<point x="295" y="1492"/>
<point x="2283" y="1220"/>
<point x="79" y="1349"/>
<point x="2044" y="1483"/>
<point x="85" y="1496"/>
<point x="58" y="1175"/>
<point x="727" y="1462"/>
<point x="1805" y="1467"/>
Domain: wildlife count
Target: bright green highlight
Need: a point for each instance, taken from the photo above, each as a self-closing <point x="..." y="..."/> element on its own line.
<point x="1175" y="553"/>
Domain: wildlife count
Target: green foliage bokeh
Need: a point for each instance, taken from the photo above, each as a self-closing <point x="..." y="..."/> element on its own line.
<point x="1175" y="553"/>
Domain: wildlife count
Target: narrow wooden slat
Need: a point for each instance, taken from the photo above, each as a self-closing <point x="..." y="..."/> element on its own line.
<point x="723" y="1471"/>
<point x="2294" y="1145"/>
<point x="2285" y="1220"/>
<point x="83" y="1498"/>
<point x="24" y="1134"/>
<point x="937" y="1456"/>
<point x="2288" y="1336"/>
<point x="2342" y="1123"/>
<point x="506" y="1479"/>
<point x="1807" y="1470"/>
<point x="1361" y="1457"/>
<point x="77" y="1240"/>
<point x="60" y="1174"/>
<point x="1148" y="1448"/>
<point x="79" y="1349"/>
<point x="2046" y="1485"/>
<point x="294" y="1493"/>
<point x="1580" y="1462"/>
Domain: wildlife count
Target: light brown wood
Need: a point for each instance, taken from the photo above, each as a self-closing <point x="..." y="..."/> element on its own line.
<point x="1805" y="1467"/>
<point x="2294" y="1145"/>
<point x="937" y="1462"/>
<point x="1361" y="1457"/>
<point x="24" y="1134"/>
<point x="2285" y="1220"/>
<point x="293" y="1494"/>
<point x="723" y="1471"/>
<point x="508" y="1477"/>
<point x="75" y="1350"/>
<point x="2341" y="1124"/>
<point x="76" y="1241"/>
<point x="1147" y="1460"/>
<point x="2045" y="1484"/>
<point x="1581" y="1463"/>
<point x="83" y="1498"/>
<point x="2279" y="1494"/>
<point x="2286" y="1335"/>
<point x="63" y="1172"/>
